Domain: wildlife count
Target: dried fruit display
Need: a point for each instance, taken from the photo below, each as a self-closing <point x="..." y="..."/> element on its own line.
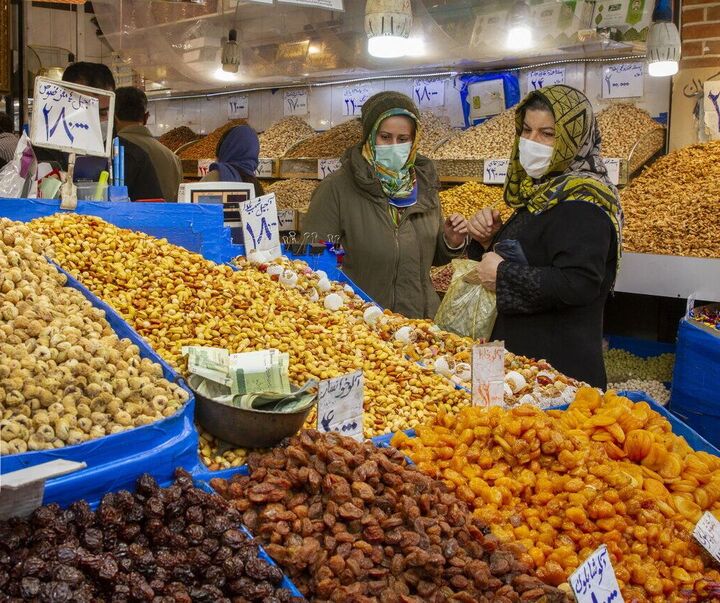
<point x="348" y="521"/>
<point x="284" y="134"/>
<point x="205" y="147"/>
<point x="493" y="138"/>
<point x="332" y="143"/>
<point x="606" y="471"/>
<point x="177" y="137"/>
<point x="627" y="129"/>
<point x="294" y="193"/>
<point x="671" y="208"/>
<point x="434" y="130"/>
<point x="472" y="197"/>
<point x="156" y="544"/>
<point x="65" y="376"/>
<point x="622" y="365"/>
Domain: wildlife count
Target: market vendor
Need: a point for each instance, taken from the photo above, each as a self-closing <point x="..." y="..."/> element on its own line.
<point x="383" y="207"/>
<point x="236" y="158"/>
<point x="568" y="223"/>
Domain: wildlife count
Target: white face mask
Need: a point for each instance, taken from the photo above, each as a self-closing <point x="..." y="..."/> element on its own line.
<point x="535" y="157"/>
<point x="393" y="156"/>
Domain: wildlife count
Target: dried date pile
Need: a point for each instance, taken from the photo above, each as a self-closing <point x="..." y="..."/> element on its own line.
<point x="351" y="522"/>
<point x="178" y="544"/>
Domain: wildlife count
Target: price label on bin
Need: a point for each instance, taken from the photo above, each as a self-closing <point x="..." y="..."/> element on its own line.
<point x="488" y="374"/>
<point x="204" y="167"/>
<point x="495" y="170"/>
<point x="264" y="168"/>
<point x="707" y="533"/>
<point x="340" y="405"/>
<point x="261" y="225"/>
<point x="327" y="167"/>
<point x="613" y="168"/>
<point x="594" y="581"/>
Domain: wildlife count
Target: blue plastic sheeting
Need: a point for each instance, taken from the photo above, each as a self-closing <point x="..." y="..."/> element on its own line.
<point x="644" y="348"/>
<point x="115" y="461"/>
<point x="198" y="228"/>
<point x="695" y="394"/>
<point x="511" y="87"/>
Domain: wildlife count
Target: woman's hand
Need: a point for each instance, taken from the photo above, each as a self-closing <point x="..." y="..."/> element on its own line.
<point x="455" y="230"/>
<point x="486" y="272"/>
<point x="484" y="225"/>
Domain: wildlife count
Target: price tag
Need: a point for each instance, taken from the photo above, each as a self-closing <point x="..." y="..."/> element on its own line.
<point x="204" y="166"/>
<point x="237" y="106"/>
<point x="622" y="80"/>
<point x="326" y="4"/>
<point x="488" y="374"/>
<point x="295" y="102"/>
<point x="594" y="581"/>
<point x="613" y="168"/>
<point x="429" y="93"/>
<point x="495" y="170"/>
<point x="354" y="98"/>
<point x="287" y="220"/>
<point x="340" y="405"/>
<point x="260" y="224"/>
<point x="707" y="533"/>
<point x="539" y="78"/>
<point x="327" y="167"/>
<point x="264" y="168"/>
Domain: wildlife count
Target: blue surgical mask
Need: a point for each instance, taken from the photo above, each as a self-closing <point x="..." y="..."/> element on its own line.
<point x="393" y="156"/>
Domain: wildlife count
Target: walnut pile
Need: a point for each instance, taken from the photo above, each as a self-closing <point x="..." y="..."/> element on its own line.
<point x="348" y="521"/>
<point x="205" y="147"/>
<point x="294" y="193"/>
<point x="622" y="126"/>
<point x="177" y="137"/>
<point x="176" y="544"/>
<point x="332" y="143"/>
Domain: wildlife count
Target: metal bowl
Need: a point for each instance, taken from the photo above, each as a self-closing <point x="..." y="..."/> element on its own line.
<point x="247" y="428"/>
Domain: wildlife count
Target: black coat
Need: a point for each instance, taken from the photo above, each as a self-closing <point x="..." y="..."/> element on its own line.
<point x="553" y="307"/>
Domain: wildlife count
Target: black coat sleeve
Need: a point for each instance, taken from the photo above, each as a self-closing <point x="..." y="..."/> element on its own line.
<point x="140" y="176"/>
<point x="580" y="240"/>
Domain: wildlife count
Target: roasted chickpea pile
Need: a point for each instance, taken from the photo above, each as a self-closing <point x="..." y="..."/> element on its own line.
<point x="65" y="376"/>
<point x="562" y="483"/>
<point x="351" y="522"/>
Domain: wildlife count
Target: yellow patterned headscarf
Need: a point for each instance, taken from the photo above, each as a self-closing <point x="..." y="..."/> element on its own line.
<point x="577" y="172"/>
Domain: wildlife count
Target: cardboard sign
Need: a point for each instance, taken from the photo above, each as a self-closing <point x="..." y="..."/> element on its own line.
<point x="495" y="171"/>
<point x="295" y="102"/>
<point x="354" y="98"/>
<point x="264" y="168"/>
<point x="488" y="374"/>
<point x="613" y="168"/>
<point x="66" y="117"/>
<point x="340" y="405"/>
<point x="260" y="224"/>
<point x="327" y="167"/>
<point x="539" y="78"/>
<point x="623" y="80"/>
<point x="594" y="581"/>
<point x="204" y="167"/>
<point x="237" y="106"/>
<point x="429" y="93"/>
<point x="707" y="533"/>
<point x="486" y="98"/>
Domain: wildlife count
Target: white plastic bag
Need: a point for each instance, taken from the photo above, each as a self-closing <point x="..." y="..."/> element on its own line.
<point x="17" y="177"/>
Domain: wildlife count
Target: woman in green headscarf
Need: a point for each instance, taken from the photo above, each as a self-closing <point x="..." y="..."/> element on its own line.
<point x="567" y="223"/>
<point x="383" y="207"/>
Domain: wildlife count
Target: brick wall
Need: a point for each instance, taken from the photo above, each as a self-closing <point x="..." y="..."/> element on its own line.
<point x="700" y="33"/>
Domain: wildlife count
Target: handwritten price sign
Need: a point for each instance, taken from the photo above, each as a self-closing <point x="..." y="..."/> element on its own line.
<point x="327" y="167"/>
<point x="707" y="533"/>
<point x="622" y="80"/>
<point x="594" y="581"/>
<point x="264" y="168"/>
<point x="340" y="405"/>
<point x="613" y="168"/>
<point x="204" y="167"/>
<point x="354" y="98"/>
<point x="237" y="106"/>
<point x="495" y="170"/>
<point x="429" y="93"/>
<point x="295" y="102"/>
<point x="260" y="224"/>
<point x="539" y="78"/>
<point x="488" y="374"/>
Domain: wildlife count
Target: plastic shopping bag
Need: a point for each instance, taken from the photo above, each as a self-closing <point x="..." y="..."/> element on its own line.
<point x="17" y="177"/>
<point x="467" y="309"/>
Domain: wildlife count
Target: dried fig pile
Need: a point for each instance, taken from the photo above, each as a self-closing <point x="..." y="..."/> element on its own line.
<point x="178" y="544"/>
<point x="351" y="522"/>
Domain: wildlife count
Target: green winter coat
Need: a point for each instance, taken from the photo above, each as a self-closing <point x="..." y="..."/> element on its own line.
<point x="390" y="263"/>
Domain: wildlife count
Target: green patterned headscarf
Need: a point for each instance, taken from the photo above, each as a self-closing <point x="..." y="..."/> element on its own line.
<point x="577" y="173"/>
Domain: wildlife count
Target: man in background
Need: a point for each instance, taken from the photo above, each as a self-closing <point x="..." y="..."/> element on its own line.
<point x="8" y="140"/>
<point x="131" y="115"/>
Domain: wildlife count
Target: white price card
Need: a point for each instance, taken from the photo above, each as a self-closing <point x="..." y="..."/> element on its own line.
<point x="711" y="106"/>
<point x="204" y="167"/>
<point x="295" y="102"/>
<point x="327" y="167"/>
<point x="539" y="78"/>
<point x="340" y="405"/>
<point x="429" y="93"/>
<point x="66" y="117"/>
<point x="260" y="224"/>
<point x="287" y="220"/>
<point x="488" y="374"/>
<point x="354" y="98"/>
<point x="613" y="168"/>
<point x="622" y="80"/>
<point x="326" y="4"/>
<point x="594" y="581"/>
<point x="264" y="168"/>
<point x="237" y="106"/>
<point x="495" y="170"/>
<point x="707" y="533"/>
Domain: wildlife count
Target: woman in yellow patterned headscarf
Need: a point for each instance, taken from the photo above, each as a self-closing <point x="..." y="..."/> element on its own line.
<point x="567" y="228"/>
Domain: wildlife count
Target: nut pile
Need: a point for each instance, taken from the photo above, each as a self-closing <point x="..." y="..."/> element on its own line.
<point x="472" y="197"/>
<point x="65" y="377"/>
<point x="177" y="137"/>
<point x="205" y="147"/>
<point x="672" y="207"/>
<point x="282" y="135"/>
<point x="561" y="483"/>
<point x="441" y="277"/>
<point x="434" y="131"/>
<point x="332" y="143"/>
<point x="348" y="521"/>
<point x="491" y="139"/>
<point x="653" y="388"/>
<point x="174" y="544"/>
<point x="622" y="126"/>
<point x="622" y="365"/>
<point x="294" y="193"/>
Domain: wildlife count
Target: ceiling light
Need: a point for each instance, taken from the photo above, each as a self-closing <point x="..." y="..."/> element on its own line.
<point x="224" y="76"/>
<point x="387" y="25"/>
<point x="415" y="46"/>
<point x="231" y="53"/>
<point x="314" y="49"/>
<point x="519" y="32"/>
<point x="663" y="42"/>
